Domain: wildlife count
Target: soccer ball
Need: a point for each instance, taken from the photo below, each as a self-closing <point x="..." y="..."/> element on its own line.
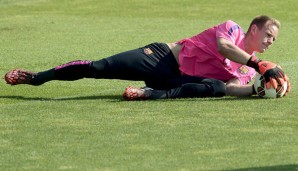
<point x="260" y="88"/>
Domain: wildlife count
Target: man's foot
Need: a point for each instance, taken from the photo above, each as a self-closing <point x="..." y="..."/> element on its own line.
<point x="18" y="76"/>
<point x="132" y="93"/>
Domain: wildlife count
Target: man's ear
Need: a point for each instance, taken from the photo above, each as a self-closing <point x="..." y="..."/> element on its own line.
<point x="253" y="29"/>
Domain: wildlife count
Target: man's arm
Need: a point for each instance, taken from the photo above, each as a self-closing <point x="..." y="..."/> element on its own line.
<point x="231" y="51"/>
<point x="272" y="72"/>
<point x="234" y="88"/>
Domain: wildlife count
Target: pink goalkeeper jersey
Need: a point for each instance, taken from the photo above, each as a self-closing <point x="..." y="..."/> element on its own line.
<point x="199" y="55"/>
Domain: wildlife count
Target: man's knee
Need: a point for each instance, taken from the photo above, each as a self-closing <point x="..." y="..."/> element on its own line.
<point x="207" y="88"/>
<point x="217" y="87"/>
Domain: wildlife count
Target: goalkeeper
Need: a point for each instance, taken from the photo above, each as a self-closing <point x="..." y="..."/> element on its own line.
<point x="217" y="62"/>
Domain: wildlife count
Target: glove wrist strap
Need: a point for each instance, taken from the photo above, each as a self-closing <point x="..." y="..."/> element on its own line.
<point x="253" y="62"/>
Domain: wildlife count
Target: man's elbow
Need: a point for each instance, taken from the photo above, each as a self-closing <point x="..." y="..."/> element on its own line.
<point x="223" y="48"/>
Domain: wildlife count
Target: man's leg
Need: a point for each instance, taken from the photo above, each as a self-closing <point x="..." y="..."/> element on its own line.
<point x="207" y="88"/>
<point x="70" y="71"/>
<point x="173" y="82"/>
<point x="131" y="65"/>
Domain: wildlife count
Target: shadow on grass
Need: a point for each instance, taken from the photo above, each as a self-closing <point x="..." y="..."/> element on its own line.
<point x="291" y="167"/>
<point x="111" y="97"/>
<point x="119" y="98"/>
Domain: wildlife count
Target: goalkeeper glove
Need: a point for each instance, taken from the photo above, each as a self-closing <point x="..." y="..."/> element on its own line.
<point x="289" y="85"/>
<point x="272" y="73"/>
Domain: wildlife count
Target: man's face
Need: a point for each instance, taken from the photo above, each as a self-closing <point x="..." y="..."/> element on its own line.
<point x="264" y="37"/>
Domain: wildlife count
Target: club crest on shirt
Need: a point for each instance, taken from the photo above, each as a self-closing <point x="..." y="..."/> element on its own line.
<point x="148" y="51"/>
<point x="243" y="70"/>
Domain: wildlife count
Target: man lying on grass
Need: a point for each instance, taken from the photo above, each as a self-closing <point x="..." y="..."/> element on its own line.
<point x="216" y="62"/>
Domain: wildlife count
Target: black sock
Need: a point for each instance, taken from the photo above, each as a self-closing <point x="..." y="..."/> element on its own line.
<point x="67" y="72"/>
<point x="42" y="77"/>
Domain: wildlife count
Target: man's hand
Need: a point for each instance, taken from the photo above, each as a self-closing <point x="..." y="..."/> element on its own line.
<point x="272" y="73"/>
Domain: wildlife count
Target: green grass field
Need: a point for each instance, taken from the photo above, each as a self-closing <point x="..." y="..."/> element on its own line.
<point x="85" y="125"/>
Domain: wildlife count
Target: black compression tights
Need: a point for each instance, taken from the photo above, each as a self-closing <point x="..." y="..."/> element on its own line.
<point x="180" y="87"/>
<point x="207" y="88"/>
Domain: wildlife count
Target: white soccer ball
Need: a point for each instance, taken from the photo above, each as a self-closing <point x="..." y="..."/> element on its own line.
<point x="260" y="88"/>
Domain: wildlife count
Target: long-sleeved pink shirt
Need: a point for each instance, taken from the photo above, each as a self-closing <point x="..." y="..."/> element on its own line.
<point x="199" y="55"/>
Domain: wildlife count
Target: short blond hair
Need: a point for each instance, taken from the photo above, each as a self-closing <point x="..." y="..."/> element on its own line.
<point x="261" y="20"/>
